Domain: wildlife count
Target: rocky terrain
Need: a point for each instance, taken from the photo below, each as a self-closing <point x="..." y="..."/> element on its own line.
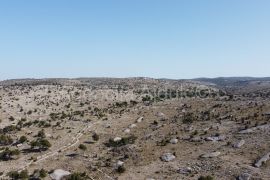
<point x="135" y="128"/>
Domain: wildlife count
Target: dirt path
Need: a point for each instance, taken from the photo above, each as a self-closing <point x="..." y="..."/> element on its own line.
<point x="74" y="142"/>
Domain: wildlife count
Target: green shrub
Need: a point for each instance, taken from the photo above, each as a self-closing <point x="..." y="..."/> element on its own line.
<point x="82" y="147"/>
<point x="5" y="140"/>
<point x="22" y="139"/>
<point x="124" y="141"/>
<point x="42" y="173"/>
<point x="95" y="137"/>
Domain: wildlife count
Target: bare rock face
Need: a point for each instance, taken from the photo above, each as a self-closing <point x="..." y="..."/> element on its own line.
<point x="167" y="157"/>
<point x="263" y="160"/>
<point x="239" y="144"/>
<point x="210" y="155"/>
<point x="244" y="176"/>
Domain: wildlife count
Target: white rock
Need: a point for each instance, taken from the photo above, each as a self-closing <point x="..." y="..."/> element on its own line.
<point x="239" y="144"/>
<point x="160" y="114"/>
<point x="19" y="145"/>
<point x="58" y="174"/>
<point x="174" y="141"/>
<point x="167" y="157"/>
<point x="263" y="160"/>
<point x="119" y="164"/>
<point x="195" y="139"/>
<point x="211" y="155"/>
<point x="127" y="131"/>
<point x="265" y="127"/>
<point x="247" y="131"/>
<point x="244" y="176"/>
<point x="185" y="170"/>
<point x="132" y="126"/>
<point x="117" y="139"/>
<point x="140" y="120"/>
<point x="215" y="138"/>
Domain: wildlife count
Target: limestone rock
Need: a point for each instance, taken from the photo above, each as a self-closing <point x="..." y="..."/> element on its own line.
<point x="263" y="160"/>
<point x="117" y="139"/>
<point x="167" y="157"/>
<point x="58" y="174"/>
<point x="174" y="141"/>
<point x="244" y="176"/>
<point x="239" y="144"/>
<point x="211" y="155"/>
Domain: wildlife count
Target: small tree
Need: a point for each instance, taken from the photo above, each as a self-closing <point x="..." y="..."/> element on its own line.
<point x="95" y="137"/>
<point x="42" y="144"/>
<point x="41" y="134"/>
<point x="23" y="139"/>
<point x="42" y="173"/>
<point x="23" y="174"/>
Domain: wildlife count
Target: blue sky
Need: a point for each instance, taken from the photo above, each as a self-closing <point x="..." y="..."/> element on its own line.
<point x="120" y="38"/>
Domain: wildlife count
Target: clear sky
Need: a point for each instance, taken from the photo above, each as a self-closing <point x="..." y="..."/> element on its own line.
<point x="124" y="38"/>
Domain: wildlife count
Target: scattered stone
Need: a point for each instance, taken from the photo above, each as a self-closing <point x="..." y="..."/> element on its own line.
<point x="127" y="130"/>
<point x="119" y="164"/>
<point x="132" y="126"/>
<point x="59" y="174"/>
<point x="215" y="138"/>
<point x="244" y="176"/>
<point x="195" y="139"/>
<point x="247" y="131"/>
<point x="263" y="160"/>
<point x="19" y="145"/>
<point x="189" y="128"/>
<point x="140" y="120"/>
<point x="211" y="155"/>
<point x="117" y="139"/>
<point x="174" y="141"/>
<point x="167" y="157"/>
<point x="186" y="170"/>
<point x="160" y="114"/>
<point x="239" y="144"/>
<point x="251" y="130"/>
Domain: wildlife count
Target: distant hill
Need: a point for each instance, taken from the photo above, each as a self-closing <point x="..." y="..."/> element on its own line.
<point x="232" y="81"/>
